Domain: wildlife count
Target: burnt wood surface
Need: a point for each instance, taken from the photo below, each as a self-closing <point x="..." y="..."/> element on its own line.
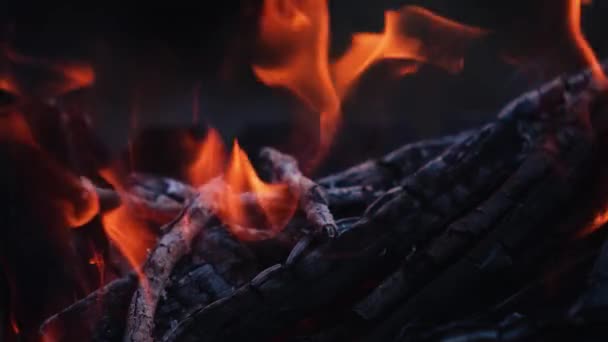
<point x="454" y="224"/>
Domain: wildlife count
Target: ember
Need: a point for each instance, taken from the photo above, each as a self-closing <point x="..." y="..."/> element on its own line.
<point x="494" y="231"/>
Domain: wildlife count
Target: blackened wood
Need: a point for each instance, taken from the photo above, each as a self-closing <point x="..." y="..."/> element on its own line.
<point x="463" y="282"/>
<point x="311" y="197"/>
<point x="447" y="186"/>
<point x="160" y="263"/>
<point x="101" y="316"/>
<point x="384" y="172"/>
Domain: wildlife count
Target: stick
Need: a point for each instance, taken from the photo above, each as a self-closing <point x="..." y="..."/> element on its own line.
<point x="159" y="265"/>
<point x="312" y="198"/>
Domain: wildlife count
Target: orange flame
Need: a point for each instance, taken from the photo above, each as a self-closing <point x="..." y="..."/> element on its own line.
<point x="276" y="202"/>
<point x="129" y="234"/>
<point x="209" y="161"/>
<point x="294" y="41"/>
<point x="75" y="199"/>
<point x="294" y="36"/>
<point x="600" y="219"/>
<point x="75" y="75"/>
<point x="575" y="30"/>
<point x="411" y="33"/>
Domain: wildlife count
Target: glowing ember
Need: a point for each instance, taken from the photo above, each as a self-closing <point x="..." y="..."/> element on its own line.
<point x="14" y="128"/>
<point x="98" y="261"/>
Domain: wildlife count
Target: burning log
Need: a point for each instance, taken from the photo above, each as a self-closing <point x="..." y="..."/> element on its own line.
<point x="159" y="265"/>
<point x="468" y="211"/>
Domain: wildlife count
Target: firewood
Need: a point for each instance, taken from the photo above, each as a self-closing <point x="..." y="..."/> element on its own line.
<point x="98" y="317"/>
<point x="413" y="214"/>
<point x="383" y="173"/>
<point x="453" y="182"/>
<point x="311" y="196"/>
<point x="160" y="263"/>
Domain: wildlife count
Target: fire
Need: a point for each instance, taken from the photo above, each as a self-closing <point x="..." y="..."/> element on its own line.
<point x="294" y="40"/>
<point x="129" y="234"/>
<point x="14" y="128"/>
<point x="209" y="161"/>
<point x="74" y="75"/>
<point x="276" y="202"/>
<point x="98" y="261"/>
<point x="14" y="324"/>
<point x="73" y="198"/>
<point x="412" y="34"/>
<point x="271" y="205"/>
<point x="576" y="34"/>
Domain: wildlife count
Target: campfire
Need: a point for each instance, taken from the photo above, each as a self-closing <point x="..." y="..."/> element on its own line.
<point x="492" y="233"/>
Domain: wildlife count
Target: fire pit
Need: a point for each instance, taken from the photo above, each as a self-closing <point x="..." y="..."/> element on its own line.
<point x="490" y="233"/>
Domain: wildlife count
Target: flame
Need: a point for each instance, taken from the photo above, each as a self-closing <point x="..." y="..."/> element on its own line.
<point x="14" y="324"/>
<point x="411" y="33"/>
<point x="75" y="200"/>
<point x="75" y="75"/>
<point x="129" y="234"/>
<point x="600" y="219"/>
<point x="209" y="161"/>
<point x="276" y="202"/>
<point x="98" y="261"/>
<point x="576" y="34"/>
<point x="294" y="44"/>
<point x="294" y="37"/>
<point x="14" y="128"/>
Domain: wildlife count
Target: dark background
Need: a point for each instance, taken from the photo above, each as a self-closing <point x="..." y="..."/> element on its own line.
<point x="157" y="63"/>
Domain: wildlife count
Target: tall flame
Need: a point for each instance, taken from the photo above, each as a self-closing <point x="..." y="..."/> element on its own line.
<point x="294" y="41"/>
<point x="129" y="234"/>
